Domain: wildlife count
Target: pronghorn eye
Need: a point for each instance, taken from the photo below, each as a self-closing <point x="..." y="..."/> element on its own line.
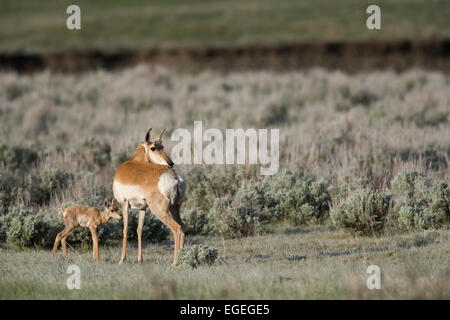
<point x="153" y="148"/>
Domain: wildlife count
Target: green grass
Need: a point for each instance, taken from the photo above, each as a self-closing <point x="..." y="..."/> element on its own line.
<point x="302" y="263"/>
<point x="110" y="25"/>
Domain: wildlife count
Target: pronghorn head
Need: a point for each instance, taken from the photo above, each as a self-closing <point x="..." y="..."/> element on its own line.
<point x="111" y="210"/>
<point x="155" y="150"/>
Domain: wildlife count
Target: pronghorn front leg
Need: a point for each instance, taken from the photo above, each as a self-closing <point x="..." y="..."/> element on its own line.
<point x="95" y="243"/>
<point x="125" y="207"/>
<point x="139" y="233"/>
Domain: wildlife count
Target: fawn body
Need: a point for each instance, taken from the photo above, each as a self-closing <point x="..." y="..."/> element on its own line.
<point x="83" y="216"/>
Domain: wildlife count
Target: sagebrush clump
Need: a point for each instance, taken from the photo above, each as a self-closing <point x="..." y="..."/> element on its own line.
<point x="17" y="157"/>
<point x="299" y="197"/>
<point x="7" y="190"/>
<point x="197" y="255"/>
<point x="363" y="212"/>
<point x="261" y="197"/>
<point x="234" y="222"/>
<point x="196" y="222"/>
<point x="208" y="183"/>
<point x="420" y="205"/>
<point x="27" y="226"/>
<point x="41" y="185"/>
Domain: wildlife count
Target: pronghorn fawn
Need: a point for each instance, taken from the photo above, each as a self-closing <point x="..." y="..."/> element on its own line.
<point x="148" y="179"/>
<point x="82" y="216"/>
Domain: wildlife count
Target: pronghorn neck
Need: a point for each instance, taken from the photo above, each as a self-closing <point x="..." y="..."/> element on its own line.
<point x="140" y="154"/>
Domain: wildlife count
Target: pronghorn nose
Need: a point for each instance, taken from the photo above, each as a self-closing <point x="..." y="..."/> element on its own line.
<point x="170" y="163"/>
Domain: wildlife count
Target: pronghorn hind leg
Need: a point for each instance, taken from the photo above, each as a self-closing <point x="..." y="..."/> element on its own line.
<point x="60" y="236"/>
<point x="175" y="212"/>
<point x="125" y="207"/>
<point x="139" y="233"/>
<point x="161" y="210"/>
<point x="64" y="243"/>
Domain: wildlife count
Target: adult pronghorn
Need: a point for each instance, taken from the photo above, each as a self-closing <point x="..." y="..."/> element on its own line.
<point x="148" y="180"/>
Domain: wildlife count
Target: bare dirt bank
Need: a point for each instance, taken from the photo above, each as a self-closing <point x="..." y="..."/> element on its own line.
<point x="350" y="57"/>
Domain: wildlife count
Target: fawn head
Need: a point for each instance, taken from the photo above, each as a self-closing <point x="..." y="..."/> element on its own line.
<point x="112" y="210"/>
<point x="155" y="150"/>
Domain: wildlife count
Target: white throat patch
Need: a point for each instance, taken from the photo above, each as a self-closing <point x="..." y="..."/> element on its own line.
<point x="157" y="159"/>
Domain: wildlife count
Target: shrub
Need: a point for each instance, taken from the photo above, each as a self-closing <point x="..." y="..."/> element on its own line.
<point x="41" y="185"/>
<point x="92" y="192"/>
<point x="274" y="114"/>
<point x="4" y="224"/>
<point x="119" y="157"/>
<point x="261" y="197"/>
<point x="294" y="195"/>
<point x="17" y="157"/>
<point x="7" y="190"/>
<point x="410" y="184"/>
<point x="302" y="199"/>
<point x="441" y="199"/>
<point x="196" y="222"/>
<point x="97" y="153"/>
<point x="363" y="212"/>
<point x="414" y="216"/>
<point x="420" y="205"/>
<point x="197" y="255"/>
<point x="28" y="227"/>
<point x="234" y="222"/>
<point x="205" y="185"/>
<point x="306" y="202"/>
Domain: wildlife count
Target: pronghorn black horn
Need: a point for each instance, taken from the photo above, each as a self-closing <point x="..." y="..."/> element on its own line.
<point x="147" y="136"/>
<point x="159" y="137"/>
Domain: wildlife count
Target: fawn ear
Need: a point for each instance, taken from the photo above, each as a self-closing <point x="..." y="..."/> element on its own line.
<point x="106" y="202"/>
<point x="113" y="201"/>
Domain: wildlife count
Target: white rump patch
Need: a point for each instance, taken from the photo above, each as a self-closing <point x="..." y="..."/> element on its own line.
<point x="167" y="185"/>
<point x="181" y="186"/>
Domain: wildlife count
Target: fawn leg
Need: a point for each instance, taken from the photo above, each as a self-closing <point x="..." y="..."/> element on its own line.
<point x="61" y="235"/>
<point x="64" y="244"/>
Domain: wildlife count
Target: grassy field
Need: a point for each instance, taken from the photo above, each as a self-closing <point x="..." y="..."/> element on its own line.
<point x="29" y="26"/>
<point x="294" y="263"/>
<point x="62" y="137"/>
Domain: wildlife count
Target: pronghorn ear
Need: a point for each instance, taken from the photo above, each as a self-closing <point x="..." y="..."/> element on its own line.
<point x="159" y="137"/>
<point x="147" y="136"/>
<point x="106" y="202"/>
